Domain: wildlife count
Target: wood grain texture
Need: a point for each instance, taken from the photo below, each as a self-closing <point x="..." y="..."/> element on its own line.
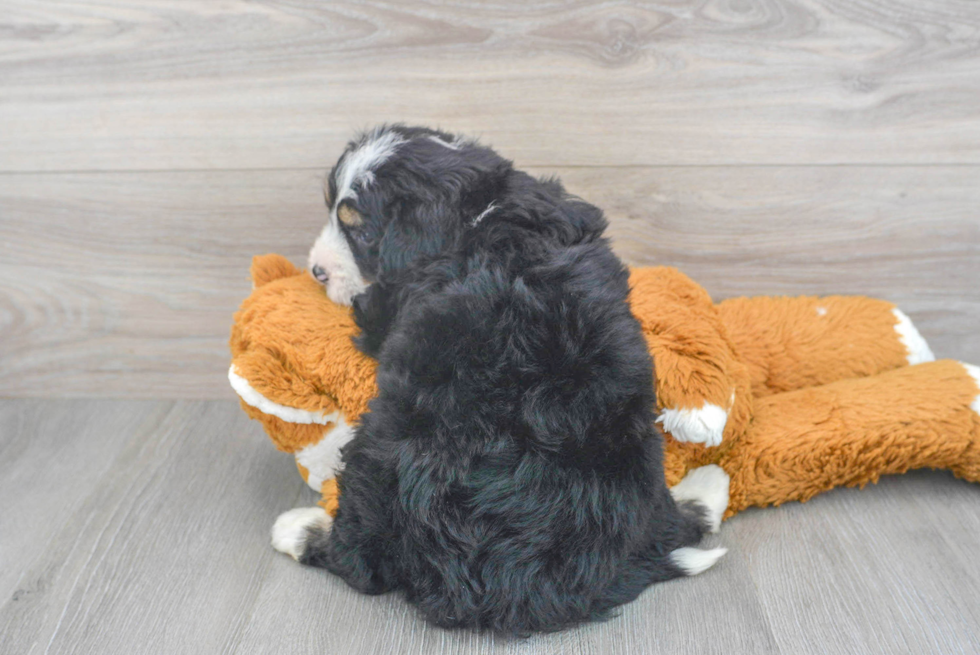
<point x="721" y="617"/>
<point x="870" y="559"/>
<point x="49" y="462"/>
<point x="150" y="148"/>
<point x="123" y="85"/>
<point x="167" y="551"/>
<point x="124" y="284"/>
<point x="160" y="544"/>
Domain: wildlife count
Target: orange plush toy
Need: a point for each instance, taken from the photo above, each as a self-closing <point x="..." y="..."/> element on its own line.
<point x="790" y="396"/>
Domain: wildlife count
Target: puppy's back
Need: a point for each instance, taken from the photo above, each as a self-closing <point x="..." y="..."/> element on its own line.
<point x="519" y="403"/>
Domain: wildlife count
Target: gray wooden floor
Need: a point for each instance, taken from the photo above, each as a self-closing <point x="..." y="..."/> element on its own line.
<point x="149" y="148"/>
<point x="136" y="526"/>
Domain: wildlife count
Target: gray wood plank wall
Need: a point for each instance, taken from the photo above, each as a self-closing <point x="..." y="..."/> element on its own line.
<point x="149" y="149"/>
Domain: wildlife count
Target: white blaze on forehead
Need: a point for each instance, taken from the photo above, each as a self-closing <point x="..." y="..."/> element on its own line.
<point x="359" y="164"/>
<point x="331" y="252"/>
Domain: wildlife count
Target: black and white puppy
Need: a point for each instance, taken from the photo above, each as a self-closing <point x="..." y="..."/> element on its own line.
<point x="508" y="476"/>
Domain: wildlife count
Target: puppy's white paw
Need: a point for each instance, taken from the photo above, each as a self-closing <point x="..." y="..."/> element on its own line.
<point x="705" y="425"/>
<point x="694" y="560"/>
<point x="708" y="486"/>
<point x="290" y="531"/>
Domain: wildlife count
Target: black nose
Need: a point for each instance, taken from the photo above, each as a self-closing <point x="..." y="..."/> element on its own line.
<point x="320" y="274"/>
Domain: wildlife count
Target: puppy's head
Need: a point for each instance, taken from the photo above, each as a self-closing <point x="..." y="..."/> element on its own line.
<point x="398" y="194"/>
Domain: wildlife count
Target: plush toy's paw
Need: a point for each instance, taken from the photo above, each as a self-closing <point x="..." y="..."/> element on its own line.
<point x="291" y="530"/>
<point x="705" y="425"/>
<point x="707" y="486"/>
<point x="974" y="372"/>
<point x="694" y="560"/>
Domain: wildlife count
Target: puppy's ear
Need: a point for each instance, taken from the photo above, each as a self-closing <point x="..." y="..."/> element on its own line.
<point x="374" y="313"/>
<point x="576" y="220"/>
<point x="330" y="187"/>
<point x="419" y="232"/>
<point x="585" y="221"/>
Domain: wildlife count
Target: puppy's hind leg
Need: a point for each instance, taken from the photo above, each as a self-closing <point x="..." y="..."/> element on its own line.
<point x="344" y="547"/>
<point x="295" y="530"/>
<point x="704" y="493"/>
<point x="706" y="488"/>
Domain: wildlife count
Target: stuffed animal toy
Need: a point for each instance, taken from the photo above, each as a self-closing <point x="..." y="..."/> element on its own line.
<point x="790" y="396"/>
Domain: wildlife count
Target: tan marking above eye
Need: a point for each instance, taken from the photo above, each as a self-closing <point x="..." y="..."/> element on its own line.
<point x="349" y="216"/>
<point x="326" y="192"/>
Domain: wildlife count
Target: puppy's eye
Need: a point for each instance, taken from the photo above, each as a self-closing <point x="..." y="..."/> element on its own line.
<point x="349" y="216"/>
<point x="362" y="237"/>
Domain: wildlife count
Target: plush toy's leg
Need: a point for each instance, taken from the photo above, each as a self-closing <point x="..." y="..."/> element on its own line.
<point x="353" y="540"/>
<point x="330" y="499"/>
<point x="794" y="343"/>
<point x="850" y="432"/>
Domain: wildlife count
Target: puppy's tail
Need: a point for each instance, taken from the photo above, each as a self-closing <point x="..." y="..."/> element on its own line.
<point x="701" y="498"/>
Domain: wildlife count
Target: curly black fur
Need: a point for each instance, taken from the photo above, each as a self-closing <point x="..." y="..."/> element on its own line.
<point x="508" y="476"/>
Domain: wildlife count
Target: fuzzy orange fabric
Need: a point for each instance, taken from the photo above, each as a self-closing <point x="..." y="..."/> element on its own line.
<point x="293" y="346"/>
<point x="801" y="394"/>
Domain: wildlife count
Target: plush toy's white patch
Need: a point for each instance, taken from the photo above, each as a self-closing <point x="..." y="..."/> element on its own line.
<point x="288" y="414"/>
<point x="290" y="530"/>
<point x="322" y="459"/>
<point x="974" y="372"/>
<point x="694" y="560"/>
<point x="916" y="347"/>
<point x="707" y="485"/>
<point x="821" y="311"/>
<point x="705" y="425"/>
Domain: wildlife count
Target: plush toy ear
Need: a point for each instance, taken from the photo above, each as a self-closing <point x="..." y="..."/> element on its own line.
<point x="266" y="268"/>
